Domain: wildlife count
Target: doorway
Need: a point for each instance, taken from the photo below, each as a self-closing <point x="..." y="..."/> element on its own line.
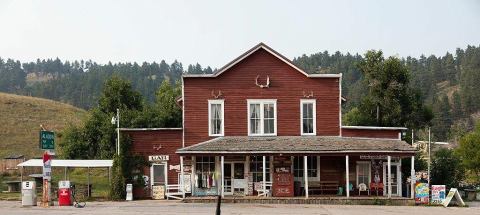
<point x="234" y="179"/>
<point x="158" y="173"/>
<point x="396" y="179"/>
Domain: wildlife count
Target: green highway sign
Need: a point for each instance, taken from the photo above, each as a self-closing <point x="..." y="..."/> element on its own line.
<point x="47" y="140"/>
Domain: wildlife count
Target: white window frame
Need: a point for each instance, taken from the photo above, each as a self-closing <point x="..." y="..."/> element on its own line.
<point x="222" y="126"/>
<point x="314" y="109"/>
<point x="262" y="103"/>
<point x="369" y="171"/>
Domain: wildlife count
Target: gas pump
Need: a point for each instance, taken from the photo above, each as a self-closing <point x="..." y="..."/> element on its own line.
<point x="64" y="193"/>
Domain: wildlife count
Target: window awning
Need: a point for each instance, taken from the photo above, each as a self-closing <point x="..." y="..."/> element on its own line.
<point x="68" y="163"/>
<point x="298" y="145"/>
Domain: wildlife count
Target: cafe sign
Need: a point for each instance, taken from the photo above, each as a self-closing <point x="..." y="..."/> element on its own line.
<point x="158" y="158"/>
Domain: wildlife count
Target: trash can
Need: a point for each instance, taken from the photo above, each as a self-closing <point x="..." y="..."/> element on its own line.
<point x="64" y="193"/>
<point x="29" y="195"/>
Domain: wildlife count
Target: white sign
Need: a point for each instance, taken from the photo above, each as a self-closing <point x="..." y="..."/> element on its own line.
<point x="47" y="167"/>
<point x="438" y="194"/>
<point x="451" y="193"/>
<point x="187" y="183"/>
<point x="375" y="157"/>
<point x="158" y="158"/>
<point x="174" y="167"/>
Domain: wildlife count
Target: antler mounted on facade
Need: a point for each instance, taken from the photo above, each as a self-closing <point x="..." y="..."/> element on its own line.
<point x="310" y="95"/>
<point x="217" y="95"/>
<point x="260" y="85"/>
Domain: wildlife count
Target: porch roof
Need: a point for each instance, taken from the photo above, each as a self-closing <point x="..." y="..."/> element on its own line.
<point x="297" y="145"/>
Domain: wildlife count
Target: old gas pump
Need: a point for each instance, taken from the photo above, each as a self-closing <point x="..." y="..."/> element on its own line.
<point x="64" y="193"/>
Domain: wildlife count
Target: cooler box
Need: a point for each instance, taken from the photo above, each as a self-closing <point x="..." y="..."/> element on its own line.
<point x="64" y="193"/>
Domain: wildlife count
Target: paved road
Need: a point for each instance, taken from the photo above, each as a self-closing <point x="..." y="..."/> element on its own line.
<point x="172" y="207"/>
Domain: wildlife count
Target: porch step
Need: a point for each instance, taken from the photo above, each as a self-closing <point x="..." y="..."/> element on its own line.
<point x="398" y="201"/>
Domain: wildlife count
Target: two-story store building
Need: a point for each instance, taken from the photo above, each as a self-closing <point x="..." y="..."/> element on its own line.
<point x="261" y="126"/>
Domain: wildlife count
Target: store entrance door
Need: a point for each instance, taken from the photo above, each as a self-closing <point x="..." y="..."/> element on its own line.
<point x="234" y="179"/>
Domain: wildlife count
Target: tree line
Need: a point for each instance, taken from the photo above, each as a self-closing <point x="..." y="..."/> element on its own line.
<point x="446" y="85"/>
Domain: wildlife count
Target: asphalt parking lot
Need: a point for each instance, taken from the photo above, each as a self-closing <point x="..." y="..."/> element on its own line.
<point x="175" y="207"/>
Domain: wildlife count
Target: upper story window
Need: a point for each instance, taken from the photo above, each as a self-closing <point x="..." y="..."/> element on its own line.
<point x="262" y="117"/>
<point x="308" y="114"/>
<point x="215" y="117"/>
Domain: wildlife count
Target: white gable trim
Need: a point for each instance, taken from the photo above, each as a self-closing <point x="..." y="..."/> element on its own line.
<point x="269" y="50"/>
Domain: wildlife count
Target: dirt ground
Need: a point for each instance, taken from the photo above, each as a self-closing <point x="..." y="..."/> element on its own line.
<point x="175" y="207"/>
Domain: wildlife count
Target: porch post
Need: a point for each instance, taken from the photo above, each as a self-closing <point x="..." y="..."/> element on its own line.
<point x="264" y="172"/>
<point x="222" y="170"/>
<point x="412" y="178"/>
<point x="389" y="175"/>
<point x="347" y="177"/>
<point x="305" y="175"/>
<point x="182" y="185"/>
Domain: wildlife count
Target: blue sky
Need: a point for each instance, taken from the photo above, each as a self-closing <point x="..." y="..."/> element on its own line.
<point x="214" y="32"/>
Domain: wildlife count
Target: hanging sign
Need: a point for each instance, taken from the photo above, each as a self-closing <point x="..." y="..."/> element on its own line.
<point x="47" y="166"/>
<point x="438" y="194"/>
<point x="421" y="193"/>
<point x="453" y="192"/>
<point x="156" y="158"/>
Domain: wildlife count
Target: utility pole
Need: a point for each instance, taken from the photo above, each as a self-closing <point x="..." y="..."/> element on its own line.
<point x="116" y="120"/>
<point x="429" y="156"/>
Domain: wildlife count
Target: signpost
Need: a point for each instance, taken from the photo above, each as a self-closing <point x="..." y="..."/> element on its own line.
<point x="47" y="143"/>
<point x="47" y="176"/>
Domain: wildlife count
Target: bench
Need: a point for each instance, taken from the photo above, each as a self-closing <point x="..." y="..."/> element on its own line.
<point x="323" y="186"/>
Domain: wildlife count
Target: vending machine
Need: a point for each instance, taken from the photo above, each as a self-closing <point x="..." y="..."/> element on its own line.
<point x="64" y="193"/>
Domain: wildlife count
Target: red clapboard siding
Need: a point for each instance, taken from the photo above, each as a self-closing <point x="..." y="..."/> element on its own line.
<point x="238" y="84"/>
<point x="143" y="143"/>
<point x="369" y="133"/>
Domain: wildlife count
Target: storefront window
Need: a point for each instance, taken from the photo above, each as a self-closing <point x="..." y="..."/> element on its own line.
<point x="363" y="173"/>
<point x="205" y="172"/>
<point x="312" y="166"/>
<point x="256" y="168"/>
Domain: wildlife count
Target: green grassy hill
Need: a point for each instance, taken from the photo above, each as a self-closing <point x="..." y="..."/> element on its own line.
<point x="21" y="117"/>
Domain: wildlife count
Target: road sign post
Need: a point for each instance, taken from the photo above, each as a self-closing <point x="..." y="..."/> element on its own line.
<point x="47" y="176"/>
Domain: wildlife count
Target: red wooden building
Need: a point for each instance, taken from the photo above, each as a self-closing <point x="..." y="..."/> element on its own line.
<point x="262" y="126"/>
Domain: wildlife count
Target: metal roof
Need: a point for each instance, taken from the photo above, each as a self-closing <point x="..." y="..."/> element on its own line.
<point x="68" y="163"/>
<point x="298" y="144"/>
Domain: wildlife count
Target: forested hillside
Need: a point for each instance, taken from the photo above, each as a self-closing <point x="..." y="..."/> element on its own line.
<point x="447" y="84"/>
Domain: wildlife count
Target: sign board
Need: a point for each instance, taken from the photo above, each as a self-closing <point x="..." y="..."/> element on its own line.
<point x="438" y="194"/>
<point x="47" y="140"/>
<point x="376" y="157"/>
<point x="421" y="193"/>
<point x="47" y="166"/>
<point x="453" y="192"/>
<point x="157" y="158"/>
<point x="187" y="182"/>
<point x="158" y="192"/>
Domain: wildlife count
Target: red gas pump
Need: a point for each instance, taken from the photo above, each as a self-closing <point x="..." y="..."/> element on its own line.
<point x="64" y="193"/>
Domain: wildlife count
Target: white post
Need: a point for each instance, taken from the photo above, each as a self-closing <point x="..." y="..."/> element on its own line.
<point x="88" y="181"/>
<point x="389" y="174"/>
<point x="347" y="177"/>
<point x="264" y="171"/>
<point x="222" y="189"/>
<point x="412" y="180"/>
<point x="182" y="186"/>
<point x="305" y="175"/>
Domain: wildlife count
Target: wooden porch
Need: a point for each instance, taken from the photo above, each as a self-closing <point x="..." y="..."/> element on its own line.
<point x="330" y="200"/>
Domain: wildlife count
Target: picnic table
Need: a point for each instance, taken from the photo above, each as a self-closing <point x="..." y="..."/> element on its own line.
<point x="12" y="186"/>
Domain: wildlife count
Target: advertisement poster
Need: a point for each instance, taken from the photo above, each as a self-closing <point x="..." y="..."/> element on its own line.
<point x="438" y="194"/>
<point x="421" y="193"/>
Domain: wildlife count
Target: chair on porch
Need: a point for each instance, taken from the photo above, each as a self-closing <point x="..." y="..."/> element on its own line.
<point x="265" y="191"/>
<point x="377" y="187"/>
<point x="363" y="188"/>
